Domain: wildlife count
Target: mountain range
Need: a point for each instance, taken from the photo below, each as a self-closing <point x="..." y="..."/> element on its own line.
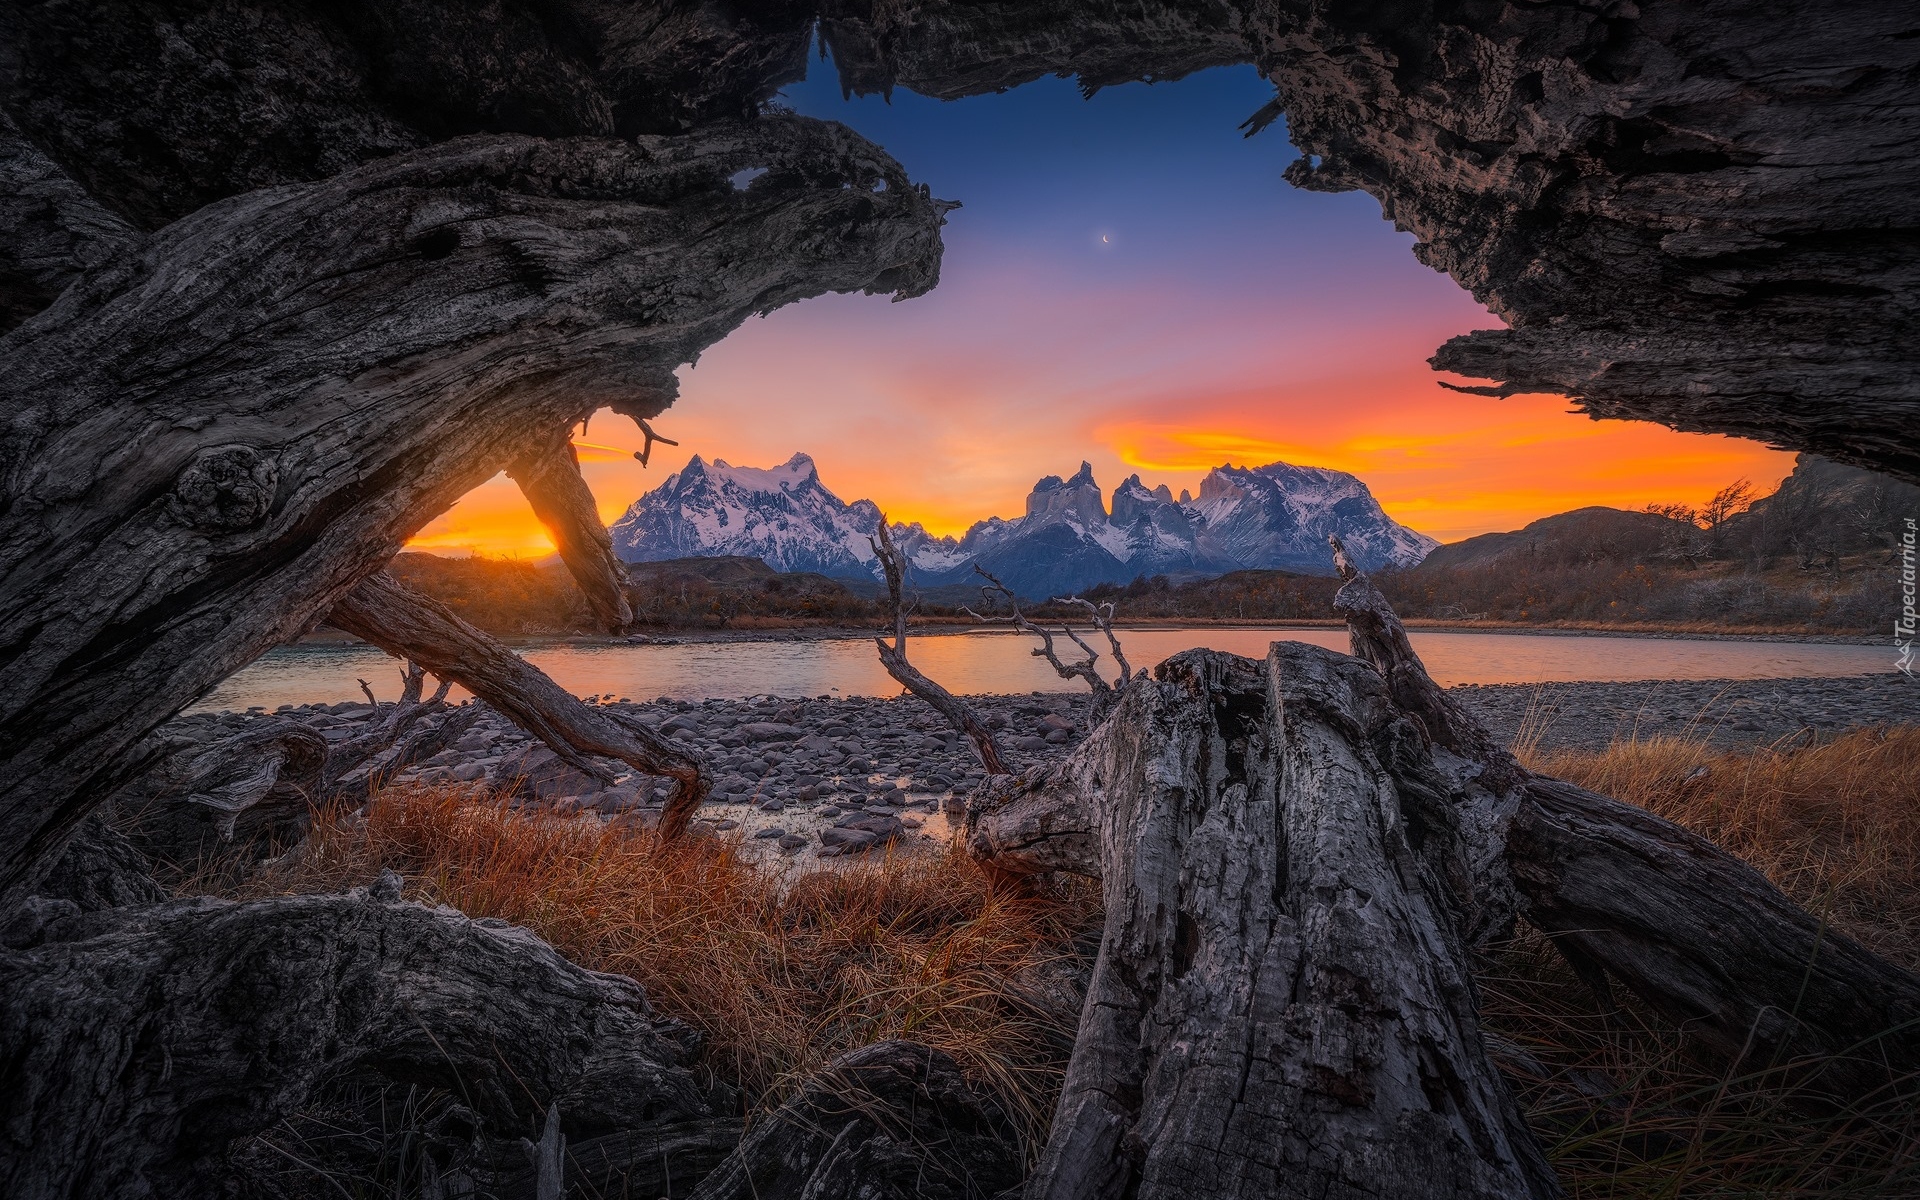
<point x="1070" y="538"/>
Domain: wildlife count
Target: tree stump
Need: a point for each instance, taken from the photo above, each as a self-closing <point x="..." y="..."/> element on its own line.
<point x="1281" y="1004"/>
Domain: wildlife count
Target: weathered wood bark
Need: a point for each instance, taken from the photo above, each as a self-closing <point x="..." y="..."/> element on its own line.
<point x="102" y="869"/>
<point x="957" y="712"/>
<point x="891" y="1121"/>
<point x="1690" y="929"/>
<point x="1164" y="804"/>
<point x="405" y="623"/>
<point x="1281" y="1006"/>
<point x="1705" y="940"/>
<point x="143" y="1041"/>
<point x="198" y="795"/>
<point x="213" y="439"/>
<point x="550" y="480"/>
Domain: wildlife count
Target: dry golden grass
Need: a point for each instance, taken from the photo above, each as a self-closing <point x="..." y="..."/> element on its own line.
<point x="779" y="977"/>
<point x="1835" y="825"/>
<point x="782" y="977"/>
<point x="1623" y="1108"/>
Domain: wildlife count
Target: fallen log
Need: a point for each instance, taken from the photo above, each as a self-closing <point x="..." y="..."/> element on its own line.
<point x="1700" y="936"/>
<point x="408" y="624"/>
<point x="891" y="1121"/>
<point x="144" y="1041"/>
<point x="220" y="429"/>
<point x="549" y="478"/>
<point x="263" y="782"/>
<point x="1281" y="1004"/>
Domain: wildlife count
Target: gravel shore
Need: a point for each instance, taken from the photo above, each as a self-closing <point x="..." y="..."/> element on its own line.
<point x="802" y="780"/>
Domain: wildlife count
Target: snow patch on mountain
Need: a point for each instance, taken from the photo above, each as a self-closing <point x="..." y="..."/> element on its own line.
<point x="1274" y="517"/>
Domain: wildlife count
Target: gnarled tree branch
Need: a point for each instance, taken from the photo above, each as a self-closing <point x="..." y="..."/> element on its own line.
<point x="1085" y="669"/>
<point x="957" y="712"/>
<point x="228" y="428"/>
<point x="404" y="622"/>
<point x="549" y="478"/>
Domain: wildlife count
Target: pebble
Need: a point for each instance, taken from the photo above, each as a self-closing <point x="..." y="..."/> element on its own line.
<point x="808" y="775"/>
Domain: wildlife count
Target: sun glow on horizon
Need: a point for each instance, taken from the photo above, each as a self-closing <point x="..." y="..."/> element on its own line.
<point x="1478" y="469"/>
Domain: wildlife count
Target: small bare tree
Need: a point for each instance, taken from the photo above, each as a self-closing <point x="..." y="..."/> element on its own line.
<point x="1101" y="618"/>
<point x="894" y="658"/>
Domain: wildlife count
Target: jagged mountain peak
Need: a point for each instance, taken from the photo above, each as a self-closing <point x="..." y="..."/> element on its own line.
<point x="1272" y="516"/>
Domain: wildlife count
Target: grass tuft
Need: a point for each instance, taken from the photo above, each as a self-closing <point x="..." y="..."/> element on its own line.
<point x="779" y="976"/>
<point x="783" y="975"/>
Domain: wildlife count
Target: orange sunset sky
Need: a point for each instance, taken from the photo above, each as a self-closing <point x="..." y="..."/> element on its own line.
<point x="1129" y="282"/>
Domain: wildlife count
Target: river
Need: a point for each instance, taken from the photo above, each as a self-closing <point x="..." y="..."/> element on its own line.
<point x="1001" y="662"/>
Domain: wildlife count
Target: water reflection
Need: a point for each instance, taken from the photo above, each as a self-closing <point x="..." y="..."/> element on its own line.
<point x="997" y="662"/>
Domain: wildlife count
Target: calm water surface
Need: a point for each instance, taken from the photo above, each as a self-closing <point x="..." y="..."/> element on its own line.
<point x="997" y="662"/>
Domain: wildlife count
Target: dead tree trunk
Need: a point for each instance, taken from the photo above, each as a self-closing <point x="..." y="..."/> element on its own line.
<point x="143" y="1041"/>
<point x="1293" y="879"/>
<point x="1694" y="932"/>
<point x="405" y="623"/>
<point x="958" y="712"/>
<point x="550" y="480"/>
<point x="218" y="431"/>
<point x="1281" y="1005"/>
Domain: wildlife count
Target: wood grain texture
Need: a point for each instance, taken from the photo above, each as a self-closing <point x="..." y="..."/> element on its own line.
<point x="407" y="624"/>
<point x="1281" y="1005"/>
<point x="209" y="442"/>
<point x="146" y="1039"/>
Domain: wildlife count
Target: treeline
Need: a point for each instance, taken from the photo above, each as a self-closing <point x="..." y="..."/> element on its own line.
<point x="1816" y="556"/>
<point x="517" y="598"/>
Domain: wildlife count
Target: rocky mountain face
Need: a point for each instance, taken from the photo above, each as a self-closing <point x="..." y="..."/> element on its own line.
<point x="1274" y="517"/>
<point x="783" y="516"/>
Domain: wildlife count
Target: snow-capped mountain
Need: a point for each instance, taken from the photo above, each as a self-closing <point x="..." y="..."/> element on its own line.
<point x="1277" y="517"/>
<point x="783" y="516"/>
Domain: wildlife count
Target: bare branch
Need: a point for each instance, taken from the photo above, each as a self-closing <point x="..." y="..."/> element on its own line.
<point x="404" y="622"/>
<point x="645" y="452"/>
<point x="894" y="659"/>
<point x="549" y="477"/>
<point x="1084" y="669"/>
<point x="1101" y="616"/>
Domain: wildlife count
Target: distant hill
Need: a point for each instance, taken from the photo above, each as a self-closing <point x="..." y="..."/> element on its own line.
<point x="1583" y="535"/>
<point x="1068" y="539"/>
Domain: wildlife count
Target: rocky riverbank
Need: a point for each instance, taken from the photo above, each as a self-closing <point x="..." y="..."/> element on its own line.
<point x="806" y="779"/>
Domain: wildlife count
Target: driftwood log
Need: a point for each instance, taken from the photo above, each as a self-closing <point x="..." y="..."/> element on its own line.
<point x="144" y="1041"/>
<point x="405" y="623"/>
<point x="1282" y="1004"/>
<point x="213" y="437"/>
<point x="201" y="794"/>
<point x="1689" y="928"/>
<point x="1297" y="857"/>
